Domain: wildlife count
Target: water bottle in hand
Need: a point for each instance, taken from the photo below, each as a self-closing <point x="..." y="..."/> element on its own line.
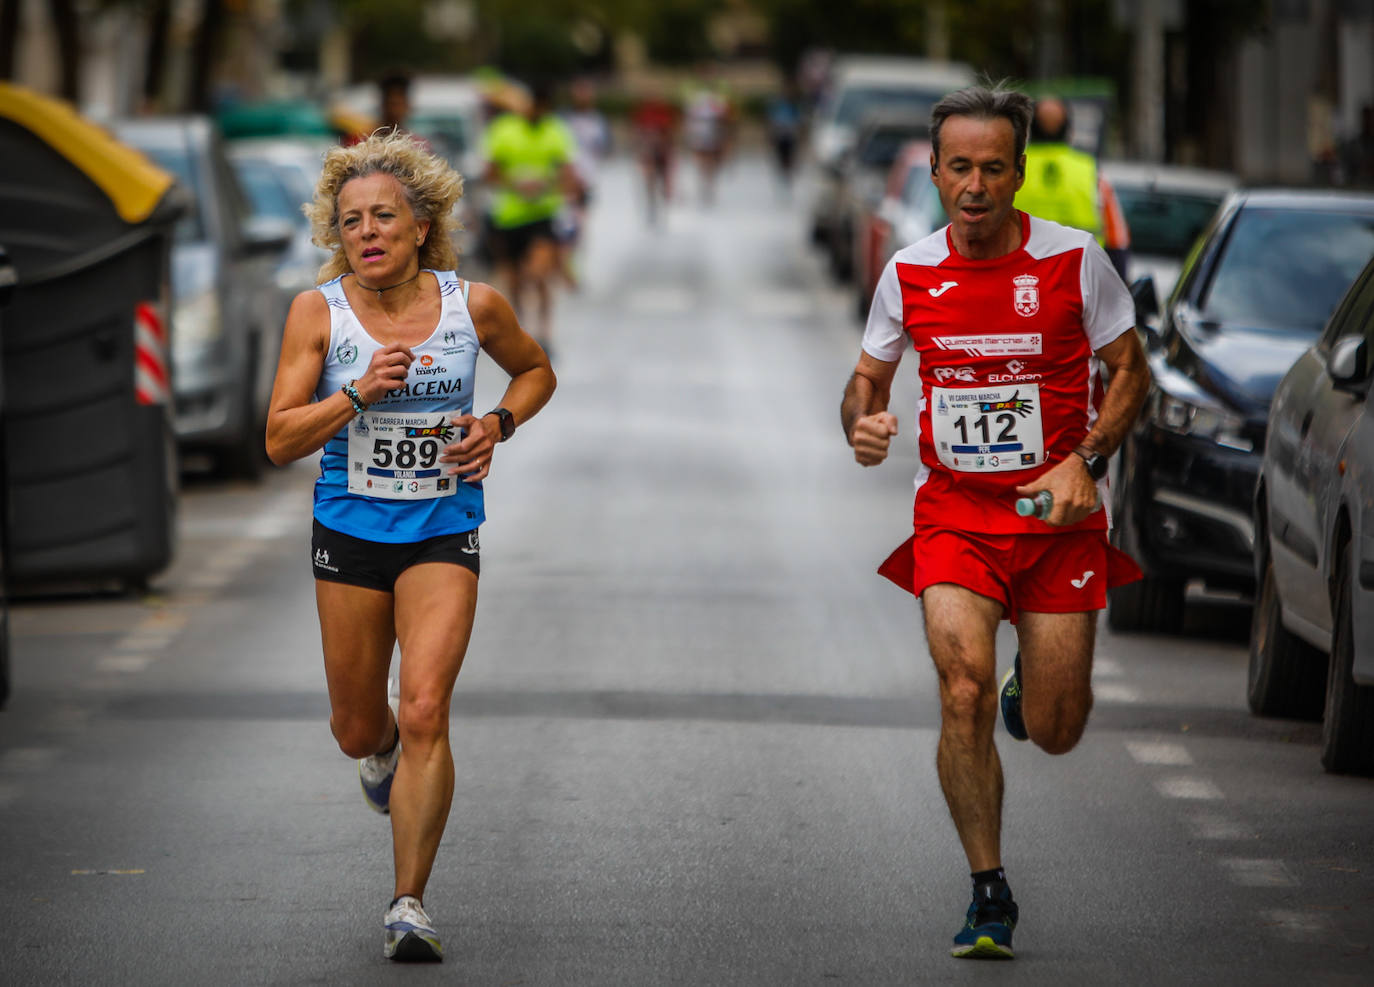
<point x="1040" y="506"/>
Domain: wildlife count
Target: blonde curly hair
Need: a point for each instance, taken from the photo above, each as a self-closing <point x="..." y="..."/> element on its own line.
<point x="432" y="189"/>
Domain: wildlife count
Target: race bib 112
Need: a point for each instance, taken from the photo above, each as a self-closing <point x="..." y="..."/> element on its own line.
<point x="987" y="429"/>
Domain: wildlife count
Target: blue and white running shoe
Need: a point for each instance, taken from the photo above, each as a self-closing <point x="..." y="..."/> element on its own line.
<point x="410" y="938"/>
<point x="987" y="930"/>
<point x="1011" y="701"/>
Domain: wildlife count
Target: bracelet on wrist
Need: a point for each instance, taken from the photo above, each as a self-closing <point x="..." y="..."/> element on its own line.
<point x="356" y="399"/>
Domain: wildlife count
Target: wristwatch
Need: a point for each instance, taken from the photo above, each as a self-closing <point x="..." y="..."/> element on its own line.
<point x="1095" y="461"/>
<point x="507" y="422"/>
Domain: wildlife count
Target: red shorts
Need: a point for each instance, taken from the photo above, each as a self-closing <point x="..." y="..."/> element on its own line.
<point x="1051" y="573"/>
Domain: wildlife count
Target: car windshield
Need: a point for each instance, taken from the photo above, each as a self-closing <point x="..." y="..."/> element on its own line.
<point x="451" y="131"/>
<point x="854" y="103"/>
<point x="1164" y="222"/>
<point x="191" y="226"/>
<point x="881" y="146"/>
<point x="1286" y="269"/>
<point x="267" y="195"/>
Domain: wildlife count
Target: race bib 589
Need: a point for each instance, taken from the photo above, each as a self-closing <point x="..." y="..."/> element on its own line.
<point x="395" y="455"/>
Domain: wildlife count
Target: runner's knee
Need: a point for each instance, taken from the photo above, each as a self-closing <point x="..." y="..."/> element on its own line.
<point x="966" y="696"/>
<point x="358" y="734"/>
<point x="423" y="721"/>
<point x="1056" y="728"/>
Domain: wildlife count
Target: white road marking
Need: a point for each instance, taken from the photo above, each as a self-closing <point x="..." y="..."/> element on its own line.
<point x="1159" y="752"/>
<point x="141" y="640"/>
<point x="210" y="579"/>
<point x="662" y="300"/>
<point x="1296" y="926"/>
<point x="1117" y="693"/>
<point x="232" y="558"/>
<point x="24" y="759"/>
<point x="765" y="304"/>
<point x="1187" y="787"/>
<point x="1107" y="668"/>
<point x="1210" y="826"/>
<point x="1258" y="872"/>
<point x="124" y="664"/>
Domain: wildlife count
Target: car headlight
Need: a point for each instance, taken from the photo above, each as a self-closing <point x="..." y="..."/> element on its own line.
<point x="195" y="321"/>
<point x="1175" y="414"/>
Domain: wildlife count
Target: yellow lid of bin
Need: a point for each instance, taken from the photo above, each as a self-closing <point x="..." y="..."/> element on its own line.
<point x="133" y="183"/>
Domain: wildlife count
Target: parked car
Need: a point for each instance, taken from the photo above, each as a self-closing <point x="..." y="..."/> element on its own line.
<point x="278" y="175"/>
<point x="909" y="211"/>
<point x="227" y="311"/>
<point x="1312" y="637"/>
<point x="1254" y="293"/>
<point x="861" y="179"/>
<point x="860" y="85"/>
<point x="1166" y="208"/>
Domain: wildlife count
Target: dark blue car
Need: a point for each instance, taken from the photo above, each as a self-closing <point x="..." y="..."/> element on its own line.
<point x="1254" y="294"/>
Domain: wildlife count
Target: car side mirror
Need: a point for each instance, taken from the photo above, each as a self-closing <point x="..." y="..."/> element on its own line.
<point x="1146" y="299"/>
<point x="1346" y="364"/>
<point x="266" y="235"/>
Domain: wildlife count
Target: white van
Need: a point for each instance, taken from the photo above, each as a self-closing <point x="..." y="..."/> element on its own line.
<point x="860" y="84"/>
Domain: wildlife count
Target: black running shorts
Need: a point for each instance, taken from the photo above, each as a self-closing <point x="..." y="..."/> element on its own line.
<point x="340" y="558"/>
<point x="511" y="244"/>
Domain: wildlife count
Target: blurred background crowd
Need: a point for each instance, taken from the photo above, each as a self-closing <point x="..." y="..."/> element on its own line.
<point x="1274" y="91"/>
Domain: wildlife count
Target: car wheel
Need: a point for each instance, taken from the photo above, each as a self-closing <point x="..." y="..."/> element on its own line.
<point x="1152" y="603"/>
<point x="841" y="263"/>
<point x="244" y="458"/>
<point x="1286" y="675"/>
<point x="4" y="652"/>
<point x="1348" y="723"/>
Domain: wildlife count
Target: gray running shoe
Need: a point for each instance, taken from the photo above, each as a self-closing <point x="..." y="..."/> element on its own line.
<point x="376" y="772"/>
<point x="410" y="938"/>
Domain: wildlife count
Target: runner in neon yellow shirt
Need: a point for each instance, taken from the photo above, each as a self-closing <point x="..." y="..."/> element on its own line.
<point x="530" y="168"/>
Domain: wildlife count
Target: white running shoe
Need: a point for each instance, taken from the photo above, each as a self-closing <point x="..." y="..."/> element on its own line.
<point x="377" y="771"/>
<point x="409" y="936"/>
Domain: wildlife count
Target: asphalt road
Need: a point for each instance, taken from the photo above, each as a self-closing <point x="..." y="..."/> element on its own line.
<point x="695" y="732"/>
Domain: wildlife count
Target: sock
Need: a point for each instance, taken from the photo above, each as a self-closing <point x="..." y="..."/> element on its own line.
<point x="996" y="878"/>
<point x="387" y="752"/>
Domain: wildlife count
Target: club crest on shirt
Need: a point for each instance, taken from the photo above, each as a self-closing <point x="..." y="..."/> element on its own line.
<point x="346" y="352"/>
<point x="1025" y="294"/>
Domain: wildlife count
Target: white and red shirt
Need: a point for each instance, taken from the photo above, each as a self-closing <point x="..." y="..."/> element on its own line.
<point x="1005" y="353"/>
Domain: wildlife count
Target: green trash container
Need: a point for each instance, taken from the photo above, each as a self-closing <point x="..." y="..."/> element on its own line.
<point x="91" y="474"/>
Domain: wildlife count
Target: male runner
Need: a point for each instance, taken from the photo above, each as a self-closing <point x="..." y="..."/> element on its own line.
<point x="530" y="170"/>
<point x="1012" y="319"/>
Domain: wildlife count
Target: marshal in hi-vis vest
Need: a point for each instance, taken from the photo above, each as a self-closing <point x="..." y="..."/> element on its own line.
<point x="1061" y="185"/>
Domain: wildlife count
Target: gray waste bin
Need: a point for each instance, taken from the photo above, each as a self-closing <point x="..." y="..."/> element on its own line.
<point x="91" y="471"/>
<point x="6" y="286"/>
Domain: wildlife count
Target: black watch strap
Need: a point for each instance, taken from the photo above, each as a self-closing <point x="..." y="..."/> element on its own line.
<point x="1095" y="461"/>
<point x="507" y="422"/>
